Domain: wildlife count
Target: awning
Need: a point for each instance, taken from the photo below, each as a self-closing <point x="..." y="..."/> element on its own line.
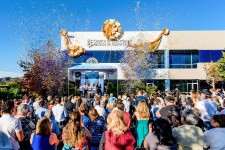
<point x="93" y="67"/>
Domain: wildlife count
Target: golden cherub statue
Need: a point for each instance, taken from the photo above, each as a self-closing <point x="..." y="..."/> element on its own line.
<point x="151" y="45"/>
<point x="73" y="50"/>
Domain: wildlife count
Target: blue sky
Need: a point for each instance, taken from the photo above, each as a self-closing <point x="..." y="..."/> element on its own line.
<point x="29" y="23"/>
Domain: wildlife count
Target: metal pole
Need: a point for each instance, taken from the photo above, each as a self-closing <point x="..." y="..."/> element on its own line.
<point x="117" y="82"/>
<point x="68" y="82"/>
<point x="75" y="85"/>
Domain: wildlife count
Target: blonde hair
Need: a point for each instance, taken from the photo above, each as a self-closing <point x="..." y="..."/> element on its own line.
<point x="115" y="123"/>
<point x="76" y="98"/>
<point x="111" y="106"/>
<point x="143" y="110"/>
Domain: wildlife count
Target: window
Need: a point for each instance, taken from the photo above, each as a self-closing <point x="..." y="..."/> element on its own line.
<point x="183" y="58"/>
<point x="101" y="56"/>
<point x="210" y="55"/>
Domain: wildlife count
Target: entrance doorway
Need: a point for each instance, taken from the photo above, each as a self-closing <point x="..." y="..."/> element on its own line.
<point x="192" y="86"/>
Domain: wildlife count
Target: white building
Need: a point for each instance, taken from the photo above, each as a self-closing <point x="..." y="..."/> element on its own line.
<point x="182" y="57"/>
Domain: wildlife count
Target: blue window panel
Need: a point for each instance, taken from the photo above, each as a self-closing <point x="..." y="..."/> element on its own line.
<point x="183" y="58"/>
<point x="187" y="59"/>
<point x="204" y="56"/>
<point x="157" y="59"/>
<point x="115" y="57"/>
<point x="216" y="55"/>
<point x="209" y="55"/>
<point x="101" y="56"/>
<point x="195" y="58"/>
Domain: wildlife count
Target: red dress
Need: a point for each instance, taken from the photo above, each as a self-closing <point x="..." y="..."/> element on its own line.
<point x="124" y="141"/>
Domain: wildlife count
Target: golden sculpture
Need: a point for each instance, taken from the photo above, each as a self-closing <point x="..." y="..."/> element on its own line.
<point x="151" y="45"/>
<point x="112" y="29"/>
<point x="73" y="50"/>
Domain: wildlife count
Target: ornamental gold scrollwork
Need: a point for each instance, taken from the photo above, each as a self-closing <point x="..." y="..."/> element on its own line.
<point x="153" y="45"/>
<point x="73" y="50"/>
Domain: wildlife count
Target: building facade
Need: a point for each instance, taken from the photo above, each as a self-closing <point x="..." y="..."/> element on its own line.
<point x="180" y="57"/>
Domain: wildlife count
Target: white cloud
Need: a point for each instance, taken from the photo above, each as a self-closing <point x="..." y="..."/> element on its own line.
<point x="10" y="74"/>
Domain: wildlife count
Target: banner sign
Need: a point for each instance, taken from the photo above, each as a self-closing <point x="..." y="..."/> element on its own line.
<point x="96" y="40"/>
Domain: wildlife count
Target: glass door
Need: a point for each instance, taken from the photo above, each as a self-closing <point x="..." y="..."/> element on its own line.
<point x="189" y="87"/>
<point x="195" y="86"/>
<point x="192" y="86"/>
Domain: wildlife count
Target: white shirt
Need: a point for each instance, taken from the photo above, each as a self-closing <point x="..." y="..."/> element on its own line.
<point x="85" y="87"/>
<point x="215" y="138"/>
<point x="101" y="111"/>
<point x="81" y="88"/>
<point x="8" y="128"/>
<point x="94" y="88"/>
<point x="41" y="112"/>
<point x="126" y="105"/>
<point x="73" y="101"/>
<point x="36" y="106"/>
<point x="59" y="112"/>
<point x="208" y="108"/>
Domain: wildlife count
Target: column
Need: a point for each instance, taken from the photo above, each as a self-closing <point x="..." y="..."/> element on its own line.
<point x="82" y="78"/>
<point x="101" y="81"/>
<point x="166" y="66"/>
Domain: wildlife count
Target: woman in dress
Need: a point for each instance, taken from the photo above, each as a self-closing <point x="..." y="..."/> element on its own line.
<point x="75" y="136"/>
<point x="43" y="139"/>
<point x="142" y="116"/>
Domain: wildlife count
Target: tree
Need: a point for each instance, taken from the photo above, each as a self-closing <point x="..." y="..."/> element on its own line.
<point x="212" y="73"/>
<point x="221" y="66"/>
<point x="111" y="88"/>
<point x="11" y="89"/>
<point x="45" y="70"/>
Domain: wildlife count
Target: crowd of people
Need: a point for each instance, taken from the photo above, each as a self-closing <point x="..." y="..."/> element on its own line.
<point x="160" y="121"/>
